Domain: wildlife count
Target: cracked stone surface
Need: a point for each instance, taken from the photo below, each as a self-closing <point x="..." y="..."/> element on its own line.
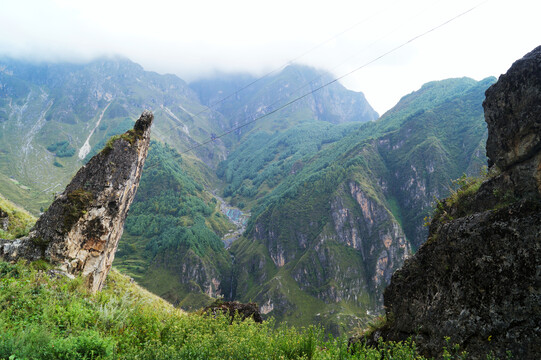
<point x="81" y="229"/>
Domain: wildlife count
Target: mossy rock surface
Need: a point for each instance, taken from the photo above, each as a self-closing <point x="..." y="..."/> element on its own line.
<point x="77" y="204"/>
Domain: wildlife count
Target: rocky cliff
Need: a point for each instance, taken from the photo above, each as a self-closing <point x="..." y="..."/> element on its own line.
<point x="321" y="245"/>
<point x="81" y="228"/>
<point x="477" y="279"/>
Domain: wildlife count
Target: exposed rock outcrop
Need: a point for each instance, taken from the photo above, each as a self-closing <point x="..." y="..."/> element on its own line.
<point x="80" y="230"/>
<point x="513" y="113"/>
<point x="234" y="308"/>
<point x="477" y="279"/>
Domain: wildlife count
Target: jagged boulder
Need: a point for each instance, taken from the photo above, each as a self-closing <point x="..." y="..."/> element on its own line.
<point x="477" y="279"/>
<point x="81" y="229"/>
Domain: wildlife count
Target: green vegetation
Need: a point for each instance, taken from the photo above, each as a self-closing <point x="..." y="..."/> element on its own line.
<point x="130" y="136"/>
<point x="62" y="149"/>
<point x="73" y="114"/>
<point x="171" y="209"/>
<point x="77" y="202"/>
<point x="263" y="161"/>
<point x="462" y="197"/>
<point x="292" y="180"/>
<point x="172" y="223"/>
<point x="294" y="171"/>
<point x="460" y="200"/>
<point x="18" y="221"/>
<point x="440" y="138"/>
<point x="48" y="316"/>
<point x="117" y="128"/>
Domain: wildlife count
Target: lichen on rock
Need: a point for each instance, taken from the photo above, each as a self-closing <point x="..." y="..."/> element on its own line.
<point x="81" y="229"/>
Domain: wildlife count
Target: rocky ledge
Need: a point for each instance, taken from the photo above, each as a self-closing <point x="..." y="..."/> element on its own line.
<point x="80" y="230"/>
<point x="477" y="279"/>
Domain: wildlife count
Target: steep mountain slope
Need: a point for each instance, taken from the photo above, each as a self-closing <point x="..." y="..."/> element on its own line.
<point x="322" y="245"/>
<point x="15" y="222"/>
<point x="476" y="280"/>
<point x="53" y="115"/>
<point x="264" y="160"/>
<point x="172" y="242"/>
<point x="334" y="104"/>
<point x="71" y="111"/>
<point x="337" y="201"/>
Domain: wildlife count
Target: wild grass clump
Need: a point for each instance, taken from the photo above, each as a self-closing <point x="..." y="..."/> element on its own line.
<point x="460" y="201"/>
<point x="130" y="136"/>
<point x="19" y="221"/>
<point x="48" y="316"/>
<point x="377" y="323"/>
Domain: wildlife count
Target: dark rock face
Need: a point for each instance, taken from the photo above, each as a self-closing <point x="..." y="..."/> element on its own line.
<point x="477" y="279"/>
<point x="81" y="228"/>
<point x="513" y="112"/>
<point x="478" y="283"/>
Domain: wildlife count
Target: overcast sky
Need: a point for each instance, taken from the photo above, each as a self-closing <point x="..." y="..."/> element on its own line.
<point x="198" y="37"/>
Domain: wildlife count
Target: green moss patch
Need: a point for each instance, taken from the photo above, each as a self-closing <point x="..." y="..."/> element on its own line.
<point x="78" y="202"/>
<point x="18" y="221"/>
<point x="130" y="136"/>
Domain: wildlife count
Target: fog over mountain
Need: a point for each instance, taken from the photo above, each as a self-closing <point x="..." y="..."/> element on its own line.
<point x="197" y="39"/>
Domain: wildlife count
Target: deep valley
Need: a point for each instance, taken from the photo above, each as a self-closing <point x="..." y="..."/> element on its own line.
<point x="337" y="198"/>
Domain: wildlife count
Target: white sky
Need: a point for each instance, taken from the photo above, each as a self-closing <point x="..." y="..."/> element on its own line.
<point x="198" y="37"/>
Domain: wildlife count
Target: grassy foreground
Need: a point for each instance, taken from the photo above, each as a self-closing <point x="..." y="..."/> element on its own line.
<point x="45" y="315"/>
<point x="19" y="220"/>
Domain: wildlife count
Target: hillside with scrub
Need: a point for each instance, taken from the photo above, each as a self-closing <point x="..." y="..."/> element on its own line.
<point x="307" y="211"/>
<point x="48" y="315"/>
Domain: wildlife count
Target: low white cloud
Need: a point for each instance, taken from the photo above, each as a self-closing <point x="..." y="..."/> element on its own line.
<point x="196" y="38"/>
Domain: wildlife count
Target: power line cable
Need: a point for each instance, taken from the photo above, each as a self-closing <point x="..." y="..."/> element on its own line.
<point x="341" y="63"/>
<point x="290" y="62"/>
<point x="330" y="82"/>
<point x="338" y="78"/>
<point x="317" y="77"/>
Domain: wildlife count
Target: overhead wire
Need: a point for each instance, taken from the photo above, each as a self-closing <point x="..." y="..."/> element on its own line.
<point x="424" y="33"/>
<point x="341" y="63"/>
<point x="289" y="62"/>
<point x="433" y="3"/>
<point x="198" y="145"/>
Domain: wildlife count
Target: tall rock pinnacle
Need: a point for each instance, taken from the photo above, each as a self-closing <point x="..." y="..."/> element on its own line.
<point x="81" y="229"/>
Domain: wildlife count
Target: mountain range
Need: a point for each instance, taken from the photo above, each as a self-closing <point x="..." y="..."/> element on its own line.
<point x="307" y="211"/>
